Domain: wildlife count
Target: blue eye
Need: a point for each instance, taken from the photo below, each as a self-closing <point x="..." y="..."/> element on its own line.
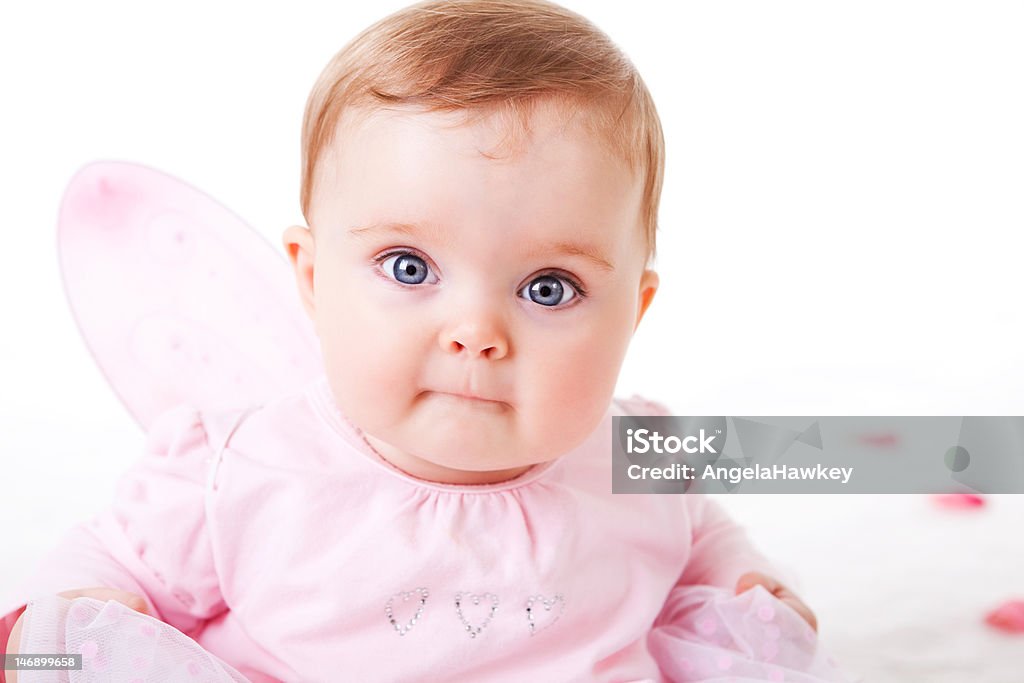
<point x="548" y="290"/>
<point x="407" y="268"/>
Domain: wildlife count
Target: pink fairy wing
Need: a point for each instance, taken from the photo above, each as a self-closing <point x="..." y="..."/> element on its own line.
<point x="178" y="299"/>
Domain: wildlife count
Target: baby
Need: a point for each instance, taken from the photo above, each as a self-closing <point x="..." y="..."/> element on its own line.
<point x="481" y="182"/>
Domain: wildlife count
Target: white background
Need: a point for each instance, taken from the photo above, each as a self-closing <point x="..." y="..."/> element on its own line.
<point x="840" y="228"/>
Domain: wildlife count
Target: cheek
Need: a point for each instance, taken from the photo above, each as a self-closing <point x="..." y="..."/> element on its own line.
<point x="365" y="347"/>
<point x="572" y="374"/>
<point x="581" y="356"/>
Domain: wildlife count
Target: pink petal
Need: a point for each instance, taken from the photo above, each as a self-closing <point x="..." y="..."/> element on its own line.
<point x="958" y="500"/>
<point x="1007" y="617"/>
<point x="880" y="440"/>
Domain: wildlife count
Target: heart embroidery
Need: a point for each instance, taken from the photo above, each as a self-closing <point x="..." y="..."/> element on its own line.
<point x="539" y="619"/>
<point x="406" y="596"/>
<point x="469" y="601"/>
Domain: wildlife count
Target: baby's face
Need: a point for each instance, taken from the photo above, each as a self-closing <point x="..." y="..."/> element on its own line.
<point x="437" y="271"/>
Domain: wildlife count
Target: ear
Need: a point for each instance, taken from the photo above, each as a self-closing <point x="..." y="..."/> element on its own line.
<point x="301" y="249"/>
<point x="648" y="287"/>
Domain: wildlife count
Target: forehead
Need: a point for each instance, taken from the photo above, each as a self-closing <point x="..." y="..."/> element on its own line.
<point x="496" y="132"/>
<point x="551" y="178"/>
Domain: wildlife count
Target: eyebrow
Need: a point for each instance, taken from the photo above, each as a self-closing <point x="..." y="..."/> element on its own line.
<point x="433" y="232"/>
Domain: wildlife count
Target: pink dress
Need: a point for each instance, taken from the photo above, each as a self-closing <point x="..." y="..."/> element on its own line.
<point x="285" y="548"/>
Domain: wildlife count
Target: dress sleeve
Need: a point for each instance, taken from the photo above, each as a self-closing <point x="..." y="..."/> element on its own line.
<point x="721" y="552"/>
<point x="153" y="540"/>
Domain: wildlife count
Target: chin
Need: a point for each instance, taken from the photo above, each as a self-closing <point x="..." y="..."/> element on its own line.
<point x="468" y="460"/>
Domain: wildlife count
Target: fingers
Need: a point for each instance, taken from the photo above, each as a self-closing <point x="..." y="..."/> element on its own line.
<point x="133" y="600"/>
<point x="780" y="591"/>
<point x="751" y="579"/>
<point x="805" y="612"/>
<point x="801" y="608"/>
<point x="812" y="620"/>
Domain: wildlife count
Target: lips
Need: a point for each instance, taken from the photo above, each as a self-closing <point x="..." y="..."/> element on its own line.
<point x="471" y="397"/>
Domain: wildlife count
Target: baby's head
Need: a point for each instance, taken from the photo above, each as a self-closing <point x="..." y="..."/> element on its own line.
<point x="481" y="183"/>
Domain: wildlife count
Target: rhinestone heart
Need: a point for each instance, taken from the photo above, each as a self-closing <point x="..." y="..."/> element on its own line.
<point x="464" y="598"/>
<point x="533" y="610"/>
<point x="417" y="593"/>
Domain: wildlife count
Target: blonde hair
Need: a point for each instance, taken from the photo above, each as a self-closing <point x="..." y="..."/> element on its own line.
<point x="487" y="56"/>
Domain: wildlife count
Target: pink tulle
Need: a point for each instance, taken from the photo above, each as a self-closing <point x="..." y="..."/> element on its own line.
<point x="706" y="633"/>
<point x="116" y="644"/>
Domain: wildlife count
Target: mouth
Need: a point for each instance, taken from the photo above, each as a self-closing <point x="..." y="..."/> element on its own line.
<point x="471" y="400"/>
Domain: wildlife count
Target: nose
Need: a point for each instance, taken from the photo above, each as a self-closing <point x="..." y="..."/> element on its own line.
<point x="475" y="336"/>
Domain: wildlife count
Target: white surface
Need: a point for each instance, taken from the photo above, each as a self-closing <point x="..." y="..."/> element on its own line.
<point x="900" y="586"/>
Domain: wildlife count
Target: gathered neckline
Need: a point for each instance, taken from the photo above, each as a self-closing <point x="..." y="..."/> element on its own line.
<point x="319" y="393"/>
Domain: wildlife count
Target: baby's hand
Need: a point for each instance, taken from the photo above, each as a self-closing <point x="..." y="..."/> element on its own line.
<point x="133" y="600"/>
<point x="136" y="602"/>
<point x="751" y="579"/>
